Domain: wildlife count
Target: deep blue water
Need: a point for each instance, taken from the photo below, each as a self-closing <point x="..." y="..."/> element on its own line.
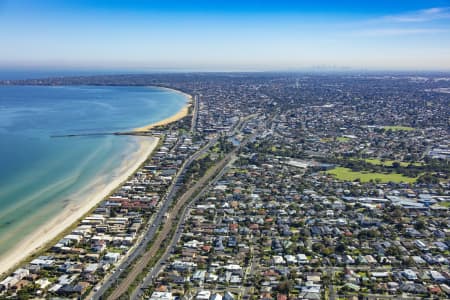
<point x="27" y="73"/>
<point x="38" y="173"/>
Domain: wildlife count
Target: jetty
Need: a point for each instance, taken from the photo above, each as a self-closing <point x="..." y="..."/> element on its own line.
<point x="135" y="133"/>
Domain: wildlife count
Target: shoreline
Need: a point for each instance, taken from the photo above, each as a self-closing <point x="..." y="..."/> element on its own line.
<point x="92" y="194"/>
<point x="183" y="112"/>
<point x="73" y="212"/>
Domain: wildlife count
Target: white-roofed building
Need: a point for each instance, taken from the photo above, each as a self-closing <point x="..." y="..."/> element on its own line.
<point x="203" y="295"/>
<point x="161" y="296"/>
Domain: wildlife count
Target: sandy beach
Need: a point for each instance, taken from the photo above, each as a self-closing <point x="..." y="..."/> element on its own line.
<point x="178" y="116"/>
<point x="79" y="205"/>
<point x="83" y="201"/>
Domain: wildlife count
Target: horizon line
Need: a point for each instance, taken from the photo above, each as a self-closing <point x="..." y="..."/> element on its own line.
<point x="130" y="70"/>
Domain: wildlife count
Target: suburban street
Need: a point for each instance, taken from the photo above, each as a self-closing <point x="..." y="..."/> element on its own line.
<point x="157" y="268"/>
<point x="167" y="226"/>
<point x="153" y="228"/>
<point x="222" y="166"/>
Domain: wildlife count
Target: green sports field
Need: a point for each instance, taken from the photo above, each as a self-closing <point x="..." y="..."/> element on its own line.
<point x="349" y="175"/>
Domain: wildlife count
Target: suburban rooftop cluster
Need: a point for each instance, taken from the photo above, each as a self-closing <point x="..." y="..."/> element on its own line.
<point x="333" y="187"/>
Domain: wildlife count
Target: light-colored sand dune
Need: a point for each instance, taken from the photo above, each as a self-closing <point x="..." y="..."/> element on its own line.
<point x="79" y="205"/>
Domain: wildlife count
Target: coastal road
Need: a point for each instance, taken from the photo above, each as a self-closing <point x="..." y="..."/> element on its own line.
<point x="143" y="261"/>
<point x="152" y="229"/>
<point x="204" y="183"/>
<point x="195" y="113"/>
<point x="151" y="233"/>
<point x="148" y="280"/>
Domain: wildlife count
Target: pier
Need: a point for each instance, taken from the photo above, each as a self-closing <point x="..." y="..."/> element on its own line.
<point x="101" y="134"/>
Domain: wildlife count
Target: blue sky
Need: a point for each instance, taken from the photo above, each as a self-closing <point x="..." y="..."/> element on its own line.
<point x="225" y="35"/>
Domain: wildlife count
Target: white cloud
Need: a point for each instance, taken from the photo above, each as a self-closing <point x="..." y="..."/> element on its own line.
<point x="398" y="31"/>
<point x="418" y="22"/>
<point x="424" y="15"/>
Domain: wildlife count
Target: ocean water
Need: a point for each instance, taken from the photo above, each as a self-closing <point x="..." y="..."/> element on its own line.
<point x="38" y="172"/>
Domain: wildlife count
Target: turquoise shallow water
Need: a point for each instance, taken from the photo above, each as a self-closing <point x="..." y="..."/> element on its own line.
<point x="38" y="173"/>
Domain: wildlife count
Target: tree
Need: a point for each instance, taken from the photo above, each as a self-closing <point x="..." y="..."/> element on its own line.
<point x="395" y="165"/>
<point x="399" y="227"/>
<point x="420" y="225"/>
<point x="284" y="287"/>
<point x="327" y="251"/>
<point x="340" y="248"/>
<point x="393" y="251"/>
<point x="318" y="247"/>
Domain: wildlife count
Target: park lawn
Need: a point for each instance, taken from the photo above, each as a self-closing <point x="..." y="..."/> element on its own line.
<point x="342" y="139"/>
<point x="349" y="175"/>
<point x="398" y="128"/>
<point x="240" y="171"/>
<point x="445" y="204"/>
<point x="204" y="155"/>
<point x="326" y="140"/>
<point x="388" y="163"/>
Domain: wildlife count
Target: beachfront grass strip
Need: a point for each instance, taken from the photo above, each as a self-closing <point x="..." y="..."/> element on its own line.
<point x="398" y="128"/>
<point x="347" y="174"/>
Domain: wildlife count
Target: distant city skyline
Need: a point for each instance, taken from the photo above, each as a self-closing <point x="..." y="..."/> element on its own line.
<point x="225" y="35"/>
